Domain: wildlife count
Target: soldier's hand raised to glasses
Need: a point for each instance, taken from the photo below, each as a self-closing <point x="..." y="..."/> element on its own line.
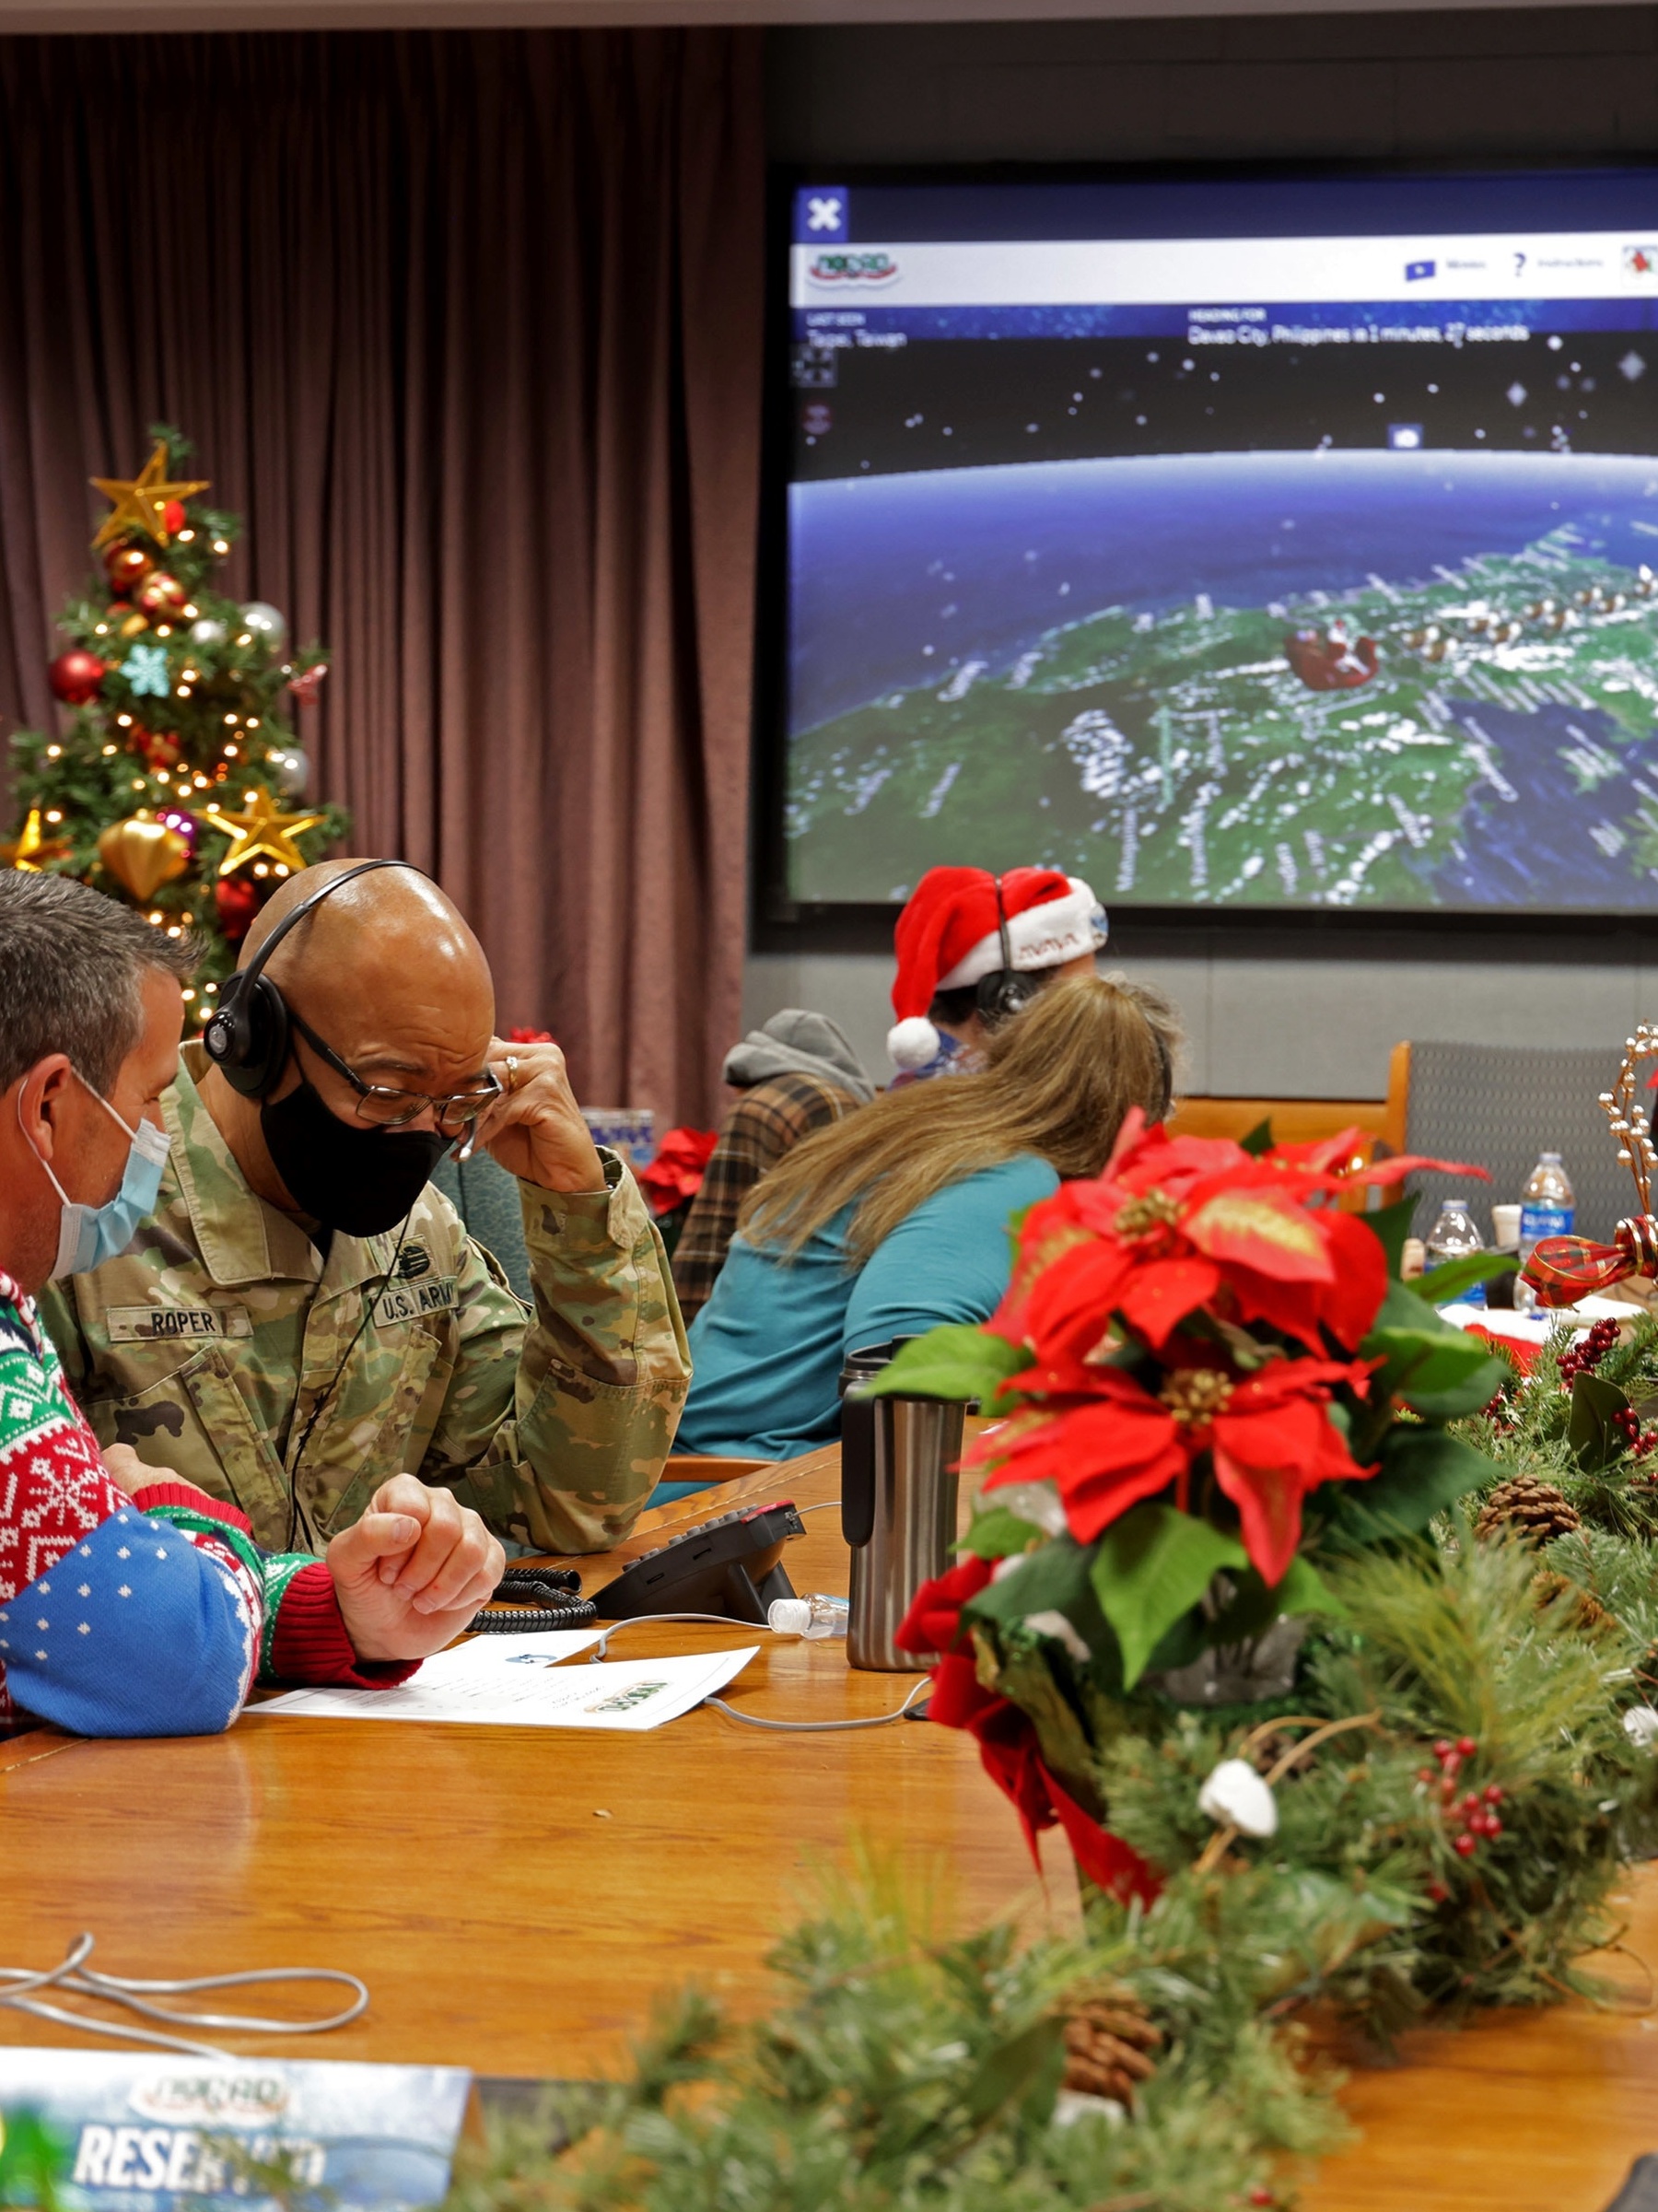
<point x="412" y="1572"/>
<point x="535" y="1128"/>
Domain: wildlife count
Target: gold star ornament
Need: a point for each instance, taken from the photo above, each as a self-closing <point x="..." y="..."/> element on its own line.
<point x="142" y="504"/>
<point x="261" y="832"/>
<point x="31" y="852"/>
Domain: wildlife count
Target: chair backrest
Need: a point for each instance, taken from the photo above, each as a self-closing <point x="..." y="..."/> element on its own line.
<point x="486" y="1199"/>
<point x="1499" y="1107"/>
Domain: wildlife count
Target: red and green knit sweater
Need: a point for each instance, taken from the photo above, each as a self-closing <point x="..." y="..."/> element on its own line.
<point x="136" y="1615"/>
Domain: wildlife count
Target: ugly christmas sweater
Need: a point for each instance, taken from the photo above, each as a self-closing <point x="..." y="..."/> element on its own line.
<point x="136" y="1615"/>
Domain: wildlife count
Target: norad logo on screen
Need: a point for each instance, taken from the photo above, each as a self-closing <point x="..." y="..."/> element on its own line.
<point x="1265" y="542"/>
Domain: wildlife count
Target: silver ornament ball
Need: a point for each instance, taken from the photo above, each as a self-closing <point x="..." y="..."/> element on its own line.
<point x="208" y="631"/>
<point x="291" y="768"/>
<point x="265" y="620"/>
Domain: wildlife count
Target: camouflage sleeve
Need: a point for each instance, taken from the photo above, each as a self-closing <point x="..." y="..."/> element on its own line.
<point x="596" y="1389"/>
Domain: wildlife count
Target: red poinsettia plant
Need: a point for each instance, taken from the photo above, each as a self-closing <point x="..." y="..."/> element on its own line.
<point x="675" y="1175"/>
<point x="1205" y="1371"/>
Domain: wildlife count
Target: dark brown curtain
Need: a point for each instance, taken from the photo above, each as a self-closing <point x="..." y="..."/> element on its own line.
<point x="466" y="326"/>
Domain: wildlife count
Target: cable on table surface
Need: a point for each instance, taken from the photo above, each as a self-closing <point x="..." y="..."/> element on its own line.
<point x="813" y="1728"/>
<point x="20" y="1983"/>
<point x="641" y="1620"/>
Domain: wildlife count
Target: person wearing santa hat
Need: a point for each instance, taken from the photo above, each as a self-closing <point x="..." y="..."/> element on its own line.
<point x="973" y="948"/>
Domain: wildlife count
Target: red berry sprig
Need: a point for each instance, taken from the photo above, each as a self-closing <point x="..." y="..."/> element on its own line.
<point x="1585" y="1356"/>
<point x="1641" y="1441"/>
<point x="1470" y="1819"/>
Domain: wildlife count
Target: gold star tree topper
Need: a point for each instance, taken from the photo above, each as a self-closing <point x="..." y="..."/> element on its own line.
<point x="142" y="504"/>
<point x="31" y="852"/>
<point x="261" y="831"/>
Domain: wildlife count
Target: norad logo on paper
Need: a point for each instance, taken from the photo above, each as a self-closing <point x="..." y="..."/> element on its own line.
<point x="852" y="268"/>
<point x="212" y="2100"/>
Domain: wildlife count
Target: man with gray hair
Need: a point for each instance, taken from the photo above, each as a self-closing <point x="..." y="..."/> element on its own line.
<point x="131" y="1603"/>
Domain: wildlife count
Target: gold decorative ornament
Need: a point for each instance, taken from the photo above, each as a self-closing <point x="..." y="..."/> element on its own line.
<point x="142" y="854"/>
<point x="31" y="852"/>
<point x="261" y="831"/>
<point x="142" y="503"/>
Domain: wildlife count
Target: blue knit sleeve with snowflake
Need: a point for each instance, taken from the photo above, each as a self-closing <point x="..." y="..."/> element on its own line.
<point x="113" y="1622"/>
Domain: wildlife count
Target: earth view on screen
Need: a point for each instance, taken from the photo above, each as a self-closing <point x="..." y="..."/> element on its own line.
<point x="1376" y="679"/>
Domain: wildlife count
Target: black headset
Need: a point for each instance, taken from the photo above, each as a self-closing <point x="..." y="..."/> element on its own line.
<point x="247" y="1037"/>
<point x="1004" y="990"/>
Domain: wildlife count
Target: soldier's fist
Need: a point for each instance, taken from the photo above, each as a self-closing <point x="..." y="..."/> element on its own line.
<point x="412" y="1572"/>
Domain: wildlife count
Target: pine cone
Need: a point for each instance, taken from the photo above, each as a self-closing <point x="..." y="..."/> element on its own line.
<point x="1588" y="1610"/>
<point x="1535" y="1509"/>
<point x="1108" y="2043"/>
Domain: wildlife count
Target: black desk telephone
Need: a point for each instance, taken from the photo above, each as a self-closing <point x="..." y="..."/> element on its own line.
<point x="729" y="1566"/>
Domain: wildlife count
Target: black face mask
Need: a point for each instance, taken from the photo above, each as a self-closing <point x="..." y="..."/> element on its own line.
<point x="343" y="1173"/>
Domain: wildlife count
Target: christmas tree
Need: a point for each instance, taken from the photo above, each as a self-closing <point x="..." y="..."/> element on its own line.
<point x="175" y="782"/>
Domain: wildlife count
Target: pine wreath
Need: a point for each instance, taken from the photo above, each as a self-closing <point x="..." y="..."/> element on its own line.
<point x="1532" y="1508"/>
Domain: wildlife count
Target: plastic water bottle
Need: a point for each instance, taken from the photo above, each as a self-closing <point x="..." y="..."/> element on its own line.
<point x="810" y="1617"/>
<point x="1454" y="1236"/>
<point x="1546" y="1208"/>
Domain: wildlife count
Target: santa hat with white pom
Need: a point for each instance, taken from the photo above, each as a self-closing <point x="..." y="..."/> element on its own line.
<point x="948" y="937"/>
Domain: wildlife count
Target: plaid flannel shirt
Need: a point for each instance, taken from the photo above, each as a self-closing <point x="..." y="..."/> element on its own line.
<point x="766" y="1121"/>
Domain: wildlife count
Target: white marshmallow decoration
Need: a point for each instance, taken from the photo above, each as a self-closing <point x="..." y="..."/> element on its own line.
<point x="1235" y="1797"/>
<point x="1641" y="1725"/>
<point x="912" y="1043"/>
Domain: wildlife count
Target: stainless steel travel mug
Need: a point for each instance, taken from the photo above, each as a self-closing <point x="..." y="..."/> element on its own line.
<point x="899" y="1506"/>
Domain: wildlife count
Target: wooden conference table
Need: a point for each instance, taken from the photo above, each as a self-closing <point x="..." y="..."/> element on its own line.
<point x="514" y="1899"/>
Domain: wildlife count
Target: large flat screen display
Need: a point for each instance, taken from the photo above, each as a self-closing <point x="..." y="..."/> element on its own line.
<point x="1231" y="542"/>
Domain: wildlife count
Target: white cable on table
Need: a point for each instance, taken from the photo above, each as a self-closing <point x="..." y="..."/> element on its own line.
<point x="753" y="1720"/>
<point x="72" y="1974"/>
<point x="791" y="1727"/>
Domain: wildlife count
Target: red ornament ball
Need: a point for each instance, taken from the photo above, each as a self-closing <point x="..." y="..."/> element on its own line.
<point x="159" y="748"/>
<point x="173" y="517"/>
<point x="126" y="566"/>
<point x="237" y="900"/>
<point x="75" y="677"/>
<point x="160" y="594"/>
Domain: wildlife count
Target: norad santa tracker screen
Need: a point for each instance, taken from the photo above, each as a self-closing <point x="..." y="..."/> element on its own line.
<point x="1250" y="543"/>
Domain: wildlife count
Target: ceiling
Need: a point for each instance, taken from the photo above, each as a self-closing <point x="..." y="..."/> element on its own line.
<point x="357" y="15"/>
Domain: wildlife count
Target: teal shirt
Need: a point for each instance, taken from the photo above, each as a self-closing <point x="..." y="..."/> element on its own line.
<point x="768" y="1349"/>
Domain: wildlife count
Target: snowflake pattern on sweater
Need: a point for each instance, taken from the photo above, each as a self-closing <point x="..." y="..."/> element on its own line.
<point x="135" y="1615"/>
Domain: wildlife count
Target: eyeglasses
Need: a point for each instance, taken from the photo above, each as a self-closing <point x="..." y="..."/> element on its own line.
<point x="390" y="1109"/>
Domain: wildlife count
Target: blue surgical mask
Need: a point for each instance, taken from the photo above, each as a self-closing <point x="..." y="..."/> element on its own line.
<point x="88" y="1236"/>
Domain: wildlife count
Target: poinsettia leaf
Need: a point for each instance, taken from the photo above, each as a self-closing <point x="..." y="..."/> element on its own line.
<point x="1391" y="1226"/>
<point x="1254" y="1606"/>
<point x="1439" y="1286"/>
<point x="1304" y="1590"/>
<point x="1437" y="1369"/>
<point x="1052" y="1579"/>
<point x="1263" y="1229"/>
<point x="958" y="1361"/>
<point x="1000" y="1534"/>
<point x="1259" y="1139"/>
<point x="1590" y="1430"/>
<point x="1423" y="1472"/>
<point x="1152" y="1566"/>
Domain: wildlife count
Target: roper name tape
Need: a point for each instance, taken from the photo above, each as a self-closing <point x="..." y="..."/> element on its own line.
<point x="176" y="1324"/>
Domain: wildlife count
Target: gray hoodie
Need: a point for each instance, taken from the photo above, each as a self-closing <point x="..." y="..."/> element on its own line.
<point x="797" y="1042"/>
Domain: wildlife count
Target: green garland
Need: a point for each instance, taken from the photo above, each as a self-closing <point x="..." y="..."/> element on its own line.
<point x="1456" y="1795"/>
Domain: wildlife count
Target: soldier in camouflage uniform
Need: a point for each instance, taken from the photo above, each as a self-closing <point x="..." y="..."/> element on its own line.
<point x="290" y="1368"/>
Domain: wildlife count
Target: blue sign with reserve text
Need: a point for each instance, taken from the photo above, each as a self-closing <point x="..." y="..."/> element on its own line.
<point x="112" y="2132"/>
